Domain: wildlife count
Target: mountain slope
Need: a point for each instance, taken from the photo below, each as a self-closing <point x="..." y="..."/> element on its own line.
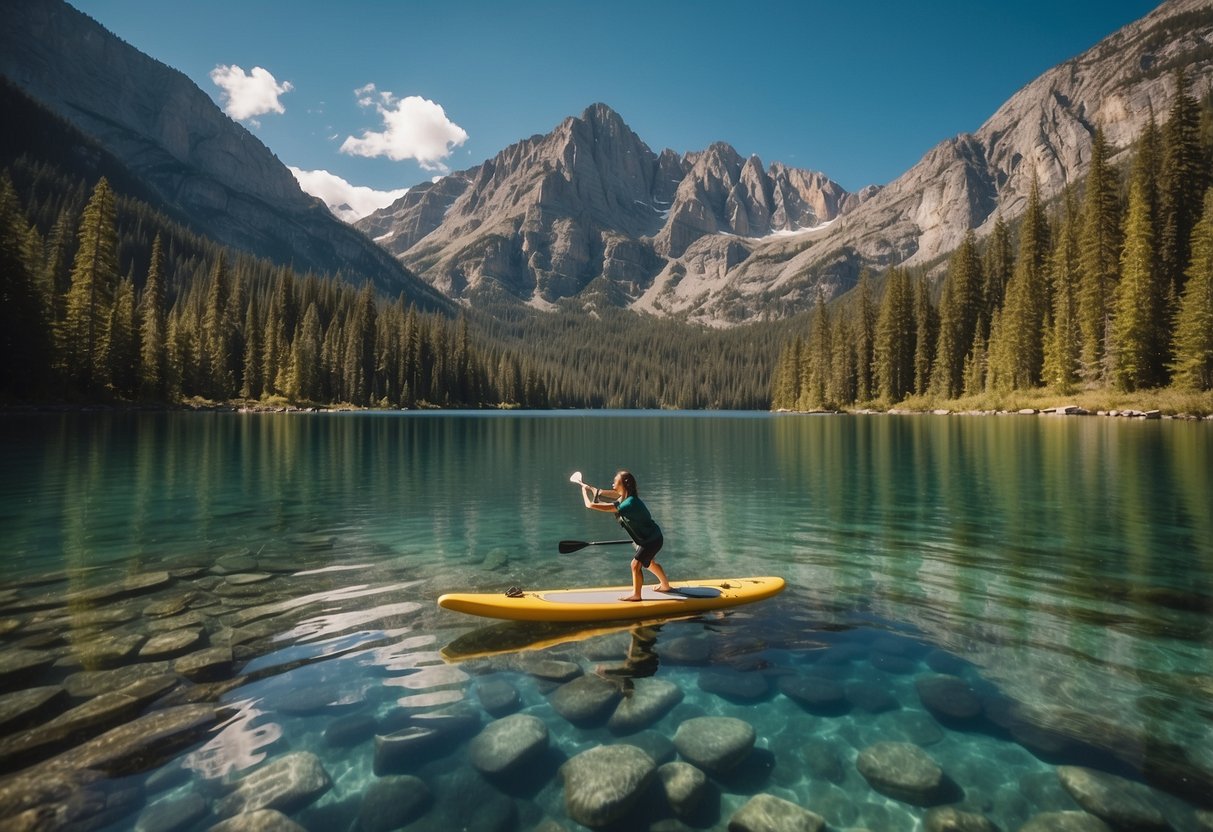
<point x="169" y="133"/>
<point x="589" y="211"/>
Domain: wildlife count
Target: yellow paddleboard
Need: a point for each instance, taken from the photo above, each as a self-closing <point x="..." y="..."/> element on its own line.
<point x="603" y="604"/>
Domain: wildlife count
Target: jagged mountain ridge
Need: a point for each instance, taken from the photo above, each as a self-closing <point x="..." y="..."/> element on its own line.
<point x="216" y="175"/>
<point x="550" y="214"/>
<point x="735" y="242"/>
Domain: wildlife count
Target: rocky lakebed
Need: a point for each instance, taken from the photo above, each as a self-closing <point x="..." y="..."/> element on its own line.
<point x="237" y="691"/>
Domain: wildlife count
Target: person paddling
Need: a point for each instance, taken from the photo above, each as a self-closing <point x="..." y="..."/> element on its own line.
<point x="623" y="499"/>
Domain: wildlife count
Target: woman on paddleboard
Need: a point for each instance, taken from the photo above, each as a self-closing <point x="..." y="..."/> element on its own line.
<point x="624" y="500"/>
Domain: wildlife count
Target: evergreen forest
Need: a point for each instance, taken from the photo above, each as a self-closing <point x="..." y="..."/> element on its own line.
<point x="1110" y="286"/>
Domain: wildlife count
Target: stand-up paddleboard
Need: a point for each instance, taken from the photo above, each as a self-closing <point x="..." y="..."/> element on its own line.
<point x="603" y="604"/>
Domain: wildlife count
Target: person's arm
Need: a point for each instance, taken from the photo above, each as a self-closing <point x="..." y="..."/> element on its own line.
<point x="593" y="498"/>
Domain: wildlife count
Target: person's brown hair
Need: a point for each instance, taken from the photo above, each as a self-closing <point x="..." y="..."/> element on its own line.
<point x="629" y="484"/>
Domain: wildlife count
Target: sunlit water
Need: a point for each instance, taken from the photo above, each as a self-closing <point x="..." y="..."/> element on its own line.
<point x="1061" y="568"/>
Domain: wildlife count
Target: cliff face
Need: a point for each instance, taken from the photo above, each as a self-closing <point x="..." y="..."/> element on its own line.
<point x="722" y="239"/>
<point x="169" y="133"/>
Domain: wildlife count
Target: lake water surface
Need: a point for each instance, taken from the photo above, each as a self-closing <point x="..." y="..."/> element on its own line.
<point x="1027" y="602"/>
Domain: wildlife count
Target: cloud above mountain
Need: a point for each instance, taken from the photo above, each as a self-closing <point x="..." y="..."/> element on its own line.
<point x="251" y="94"/>
<point x="414" y="128"/>
<point x="348" y="202"/>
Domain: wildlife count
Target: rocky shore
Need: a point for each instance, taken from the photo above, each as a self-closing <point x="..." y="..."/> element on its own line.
<point x="229" y="692"/>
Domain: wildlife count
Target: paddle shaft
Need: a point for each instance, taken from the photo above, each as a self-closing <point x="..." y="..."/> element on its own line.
<point x="567" y="546"/>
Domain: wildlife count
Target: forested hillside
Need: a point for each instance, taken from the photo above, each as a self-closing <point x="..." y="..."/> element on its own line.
<point x="1112" y="287"/>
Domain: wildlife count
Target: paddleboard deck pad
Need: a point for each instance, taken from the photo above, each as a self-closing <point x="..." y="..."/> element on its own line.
<point x="603" y="604"/>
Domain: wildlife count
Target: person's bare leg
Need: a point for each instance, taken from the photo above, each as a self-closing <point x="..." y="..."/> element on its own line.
<point x="656" y="569"/>
<point x="637" y="582"/>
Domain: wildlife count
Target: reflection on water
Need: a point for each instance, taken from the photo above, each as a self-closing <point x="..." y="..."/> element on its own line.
<point x="1011" y="595"/>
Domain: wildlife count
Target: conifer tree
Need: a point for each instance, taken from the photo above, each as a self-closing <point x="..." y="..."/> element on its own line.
<point x="895" y="332"/>
<point x="121" y="341"/>
<point x="305" y="363"/>
<point x="785" y="391"/>
<point x="253" y="378"/>
<point x="218" y="379"/>
<point x="94" y="278"/>
<point x="24" y="344"/>
<point x="1016" y="359"/>
<point x="1064" y="343"/>
<point x="865" y="339"/>
<point x="958" y="314"/>
<point x="925" y="336"/>
<point x="1192" y="366"/>
<point x="153" y="349"/>
<point x="817" y="366"/>
<point x="1099" y="260"/>
<point x="1139" y="303"/>
<point x="1183" y="182"/>
<point x="998" y="264"/>
<point x="842" y="384"/>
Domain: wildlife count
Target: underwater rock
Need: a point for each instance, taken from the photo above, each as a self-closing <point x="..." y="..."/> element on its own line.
<point x="171" y="606"/>
<point x="89" y="683"/>
<point x="890" y="663"/>
<point x="104" y="653"/>
<point x="657" y="745"/>
<point x="870" y="697"/>
<point x="602" y="784"/>
<point x="391" y="802"/>
<point x="1122" y="803"/>
<point x="824" y="759"/>
<point x="172" y="814"/>
<point x="350" y="730"/>
<point x="132" y="585"/>
<point x="951" y="819"/>
<point x="41" y="799"/>
<point x="715" y="744"/>
<point x="143" y="743"/>
<point x="18" y="665"/>
<point x="466" y="801"/>
<point x="648" y="701"/>
<point x="91" y="718"/>
<point x="186" y="620"/>
<point x="314" y="699"/>
<point x="498" y="697"/>
<point x="684" y="786"/>
<point x="902" y="771"/>
<point x="742" y="688"/>
<point x="551" y="669"/>
<point x="171" y="644"/>
<point x="287" y="784"/>
<point x="691" y="650"/>
<point x="234" y="563"/>
<point x="768" y="813"/>
<point x="587" y="700"/>
<point x="421" y="739"/>
<point x="246" y="578"/>
<point x="25" y="707"/>
<point x="1065" y="822"/>
<point x="262" y="820"/>
<point x="206" y="665"/>
<point x="508" y="743"/>
<point x="943" y="662"/>
<point x="949" y="698"/>
<point x="816" y="695"/>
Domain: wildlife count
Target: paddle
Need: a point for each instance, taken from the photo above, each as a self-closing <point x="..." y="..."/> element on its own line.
<point x="567" y="546"/>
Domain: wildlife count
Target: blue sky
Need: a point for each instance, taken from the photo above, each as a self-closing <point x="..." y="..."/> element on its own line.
<point x="857" y="89"/>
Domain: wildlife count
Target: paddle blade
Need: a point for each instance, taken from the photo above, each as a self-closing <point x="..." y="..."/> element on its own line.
<point x="567" y="546"/>
<point x="576" y="477"/>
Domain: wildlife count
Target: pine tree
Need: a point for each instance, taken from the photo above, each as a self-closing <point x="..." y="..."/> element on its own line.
<point x="895" y="332"/>
<point x="94" y="278"/>
<point x="24" y="344"/>
<point x="218" y="379"/>
<point x="817" y="365"/>
<point x="842" y="385"/>
<point x="785" y="390"/>
<point x="865" y="339"/>
<point x="1064" y="344"/>
<point x="121" y="341"/>
<point x="153" y="355"/>
<point x="1015" y="361"/>
<point x="305" y="364"/>
<point x="1139" y="306"/>
<point x="1099" y="260"/>
<point x="998" y="265"/>
<point x="1183" y="182"/>
<point x="958" y="313"/>
<point x="254" y="378"/>
<point x="1192" y="366"/>
<point x="926" y="334"/>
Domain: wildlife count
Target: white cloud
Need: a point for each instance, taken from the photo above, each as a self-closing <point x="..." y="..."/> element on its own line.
<point x="249" y="95"/>
<point x="414" y="128"/>
<point x="348" y="202"/>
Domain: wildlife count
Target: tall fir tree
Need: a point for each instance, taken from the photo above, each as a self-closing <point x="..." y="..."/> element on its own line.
<point x="94" y="279"/>
<point x="998" y="265"/>
<point x="865" y="339"/>
<point x="1192" y="365"/>
<point x="153" y="347"/>
<point x="217" y="334"/>
<point x="817" y="364"/>
<point x="122" y="341"/>
<point x="895" y="332"/>
<point x="1183" y="182"/>
<point x="958" y="313"/>
<point x="1063" y="346"/>
<point x="1099" y="260"/>
<point x="305" y="354"/>
<point x="1016" y="359"/>
<point x="1136" y="351"/>
<point x="926" y="319"/>
<point x="24" y="343"/>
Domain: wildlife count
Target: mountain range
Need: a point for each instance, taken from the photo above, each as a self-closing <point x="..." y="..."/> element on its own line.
<point x="588" y="214"/>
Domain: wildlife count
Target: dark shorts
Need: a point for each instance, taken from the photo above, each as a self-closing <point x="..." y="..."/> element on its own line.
<point x="645" y="552"/>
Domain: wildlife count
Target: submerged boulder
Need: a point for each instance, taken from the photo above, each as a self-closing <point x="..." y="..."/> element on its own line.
<point x="903" y="772"/>
<point x="715" y="744"/>
<point x="287" y="784"/>
<point x="508" y="743"/>
<point x="601" y="785"/>
<point x="768" y="813"/>
<point x="1122" y="803"/>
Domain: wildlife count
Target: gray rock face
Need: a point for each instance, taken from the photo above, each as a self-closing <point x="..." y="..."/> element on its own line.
<point x="585" y="700"/>
<point x="392" y="802"/>
<point x="768" y="813"/>
<point x="684" y="786"/>
<point x="715" y="744"/>
<point x="648" y="701"/>
<point x="498" y="697"/>
<point x="951" y="819"/>
<point x="262" y="820"/>
<point x="602" y="784"/>
<point x="1122" y="803"/>
<point x="902" y="771"/>
<point x="286" y="784"/>
<point x="948" y="698"/>
<point x="508" y="743"/>
<point x="173" y="814"/>
<point x="814" y="694"/>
